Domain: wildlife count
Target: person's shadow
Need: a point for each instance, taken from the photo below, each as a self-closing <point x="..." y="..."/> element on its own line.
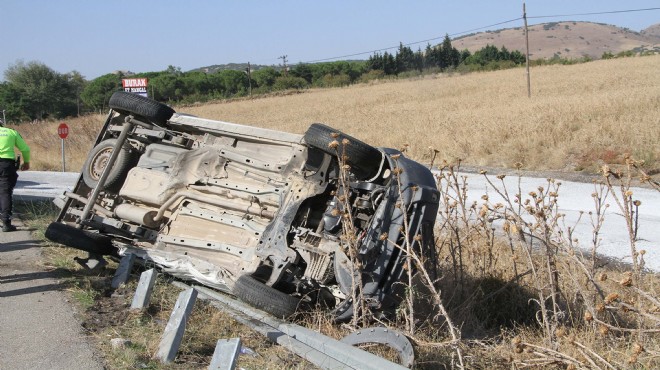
<point x="8" y="282"/>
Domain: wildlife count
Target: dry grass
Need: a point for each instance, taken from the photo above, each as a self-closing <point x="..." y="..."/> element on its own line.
<point x="579" y="117"/>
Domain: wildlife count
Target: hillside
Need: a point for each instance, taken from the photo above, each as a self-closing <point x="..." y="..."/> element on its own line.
<point x="566" y="39"/>
<point x="229" y="66"/>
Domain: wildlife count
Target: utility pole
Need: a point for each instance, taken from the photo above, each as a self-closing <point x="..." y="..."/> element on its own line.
<point x="529" y="86"/>
<point x="249" y="80"/>
<point x="283" y="57"/>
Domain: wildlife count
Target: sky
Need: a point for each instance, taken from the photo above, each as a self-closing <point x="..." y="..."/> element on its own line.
<point x="97" y="37"/>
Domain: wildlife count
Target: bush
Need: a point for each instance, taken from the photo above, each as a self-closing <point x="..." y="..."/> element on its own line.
<point x="289" y="83"/>
<point x="374" y="74"/>
<point x="333" y="81"/>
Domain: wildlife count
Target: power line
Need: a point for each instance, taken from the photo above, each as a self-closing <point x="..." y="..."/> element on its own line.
<point x="412" y="43"/>
<point x="477" y="29"/>
<point x="596" y="13"/>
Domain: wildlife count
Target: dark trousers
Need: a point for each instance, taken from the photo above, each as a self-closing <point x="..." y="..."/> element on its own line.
<point x="8" y="178"/>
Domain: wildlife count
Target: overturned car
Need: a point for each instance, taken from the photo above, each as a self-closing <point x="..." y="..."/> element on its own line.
<point x="280" y="220"/>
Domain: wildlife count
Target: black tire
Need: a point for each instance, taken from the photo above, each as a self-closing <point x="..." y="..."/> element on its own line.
<point x="363" y="158"/>
<point x="97" y="160"/>
<point x="80" y="239"/>
<point x="264" y="297"/>
<point x="128" y="103"/>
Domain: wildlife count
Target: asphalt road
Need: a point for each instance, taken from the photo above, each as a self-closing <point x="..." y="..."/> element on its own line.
<point x="38" y="327"/>
<point x="574" y="198"/>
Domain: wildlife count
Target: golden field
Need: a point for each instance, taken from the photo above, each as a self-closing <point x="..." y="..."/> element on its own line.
<point x="578" y="117"/>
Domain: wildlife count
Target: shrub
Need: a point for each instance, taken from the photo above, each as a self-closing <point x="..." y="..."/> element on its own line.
<point x="289" y="82"/>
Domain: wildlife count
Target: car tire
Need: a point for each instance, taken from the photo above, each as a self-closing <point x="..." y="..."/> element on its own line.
<point x="80" y="239"/>
<point x="129" y="103"/>
<point x="264" y="297"/>
<point x="97" y="160"/>
<point x="363" y="158"/>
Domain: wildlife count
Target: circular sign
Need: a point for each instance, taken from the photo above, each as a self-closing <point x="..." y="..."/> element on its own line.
<point x="63" y="130"/>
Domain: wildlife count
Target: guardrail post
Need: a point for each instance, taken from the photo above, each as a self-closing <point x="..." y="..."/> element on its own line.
<point x="143" y="292"/>
<point x="225" y="354"/>
<point x="173" y="334"/>
<point x="123" y="271"/>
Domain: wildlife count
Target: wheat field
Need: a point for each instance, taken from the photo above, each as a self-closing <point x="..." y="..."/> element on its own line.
<point x="578" y="118"/>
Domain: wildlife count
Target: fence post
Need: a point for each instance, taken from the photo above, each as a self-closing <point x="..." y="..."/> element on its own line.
<point x="123" y="271"/>
<point x="143" y="292"/>
<point x="225" y="354"/>
<point x="173" y="334"/>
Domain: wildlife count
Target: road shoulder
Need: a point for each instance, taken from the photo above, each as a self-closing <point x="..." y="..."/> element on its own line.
<point x="38" y="325"/>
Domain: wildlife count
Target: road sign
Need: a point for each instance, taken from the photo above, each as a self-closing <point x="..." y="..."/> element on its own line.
<point x="63" y="130"/>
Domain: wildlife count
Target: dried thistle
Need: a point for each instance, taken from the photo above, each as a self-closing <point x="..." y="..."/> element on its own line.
<point x="334" y="135"/>
<point x="611" y="298"/>
<point x="602" y="277"/>
<point x="333" y="144"/>
<point x="588" y="317"/>
<point x="626" y="281"/>
<point x="382" y="236"/>
<point x="345" y="141"/>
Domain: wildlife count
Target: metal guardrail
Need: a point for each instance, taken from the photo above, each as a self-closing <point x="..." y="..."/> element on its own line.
<point x="320" y="350"/>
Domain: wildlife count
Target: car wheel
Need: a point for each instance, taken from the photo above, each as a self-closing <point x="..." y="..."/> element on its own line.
<point x="129" y="103"/>
<point x="363" y="158"/>
<point x="98" y="159"/>
<point x="80" y="239"/>
<point x="264" y="297"/>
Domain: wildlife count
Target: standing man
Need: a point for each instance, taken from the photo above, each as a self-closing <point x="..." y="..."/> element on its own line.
<point x="8" y="165"/>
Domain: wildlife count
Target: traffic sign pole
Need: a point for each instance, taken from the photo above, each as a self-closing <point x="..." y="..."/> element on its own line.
<point x="63" y="159"/>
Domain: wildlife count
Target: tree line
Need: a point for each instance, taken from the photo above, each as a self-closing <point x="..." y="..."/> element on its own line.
<point x="33" y="91"/>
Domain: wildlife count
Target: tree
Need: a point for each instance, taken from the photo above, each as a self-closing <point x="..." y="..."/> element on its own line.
<point x="450" y="55"/>
<point x="265" y="77"/>
<point x="405" y="59"/>
<point x="303" y="71"/>
<point x="71" y="99"/>
<point x="290" y="82"/>
<point x="12" y="103"/>
<point x="96" y="93"/>
<point x="43" y="90"/>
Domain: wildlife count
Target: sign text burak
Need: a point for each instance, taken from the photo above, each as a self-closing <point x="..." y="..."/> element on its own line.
<point x="135" y="85"/>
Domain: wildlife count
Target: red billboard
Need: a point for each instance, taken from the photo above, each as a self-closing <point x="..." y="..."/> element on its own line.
<point x="135" y="85"/>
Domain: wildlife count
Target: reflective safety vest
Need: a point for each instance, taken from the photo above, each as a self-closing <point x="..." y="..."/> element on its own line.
<point x="8" y="140"/>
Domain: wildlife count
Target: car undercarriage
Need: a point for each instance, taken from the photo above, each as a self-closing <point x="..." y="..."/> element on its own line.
<point x="281" y="220"/>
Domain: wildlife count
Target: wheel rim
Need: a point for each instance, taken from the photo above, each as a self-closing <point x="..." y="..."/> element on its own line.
<point x="99" y="163"/>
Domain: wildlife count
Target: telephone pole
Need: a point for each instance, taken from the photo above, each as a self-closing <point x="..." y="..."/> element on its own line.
<point x="249" y="80"/>
<point x="529" y="88"/>
<point x="283" y="57"/>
